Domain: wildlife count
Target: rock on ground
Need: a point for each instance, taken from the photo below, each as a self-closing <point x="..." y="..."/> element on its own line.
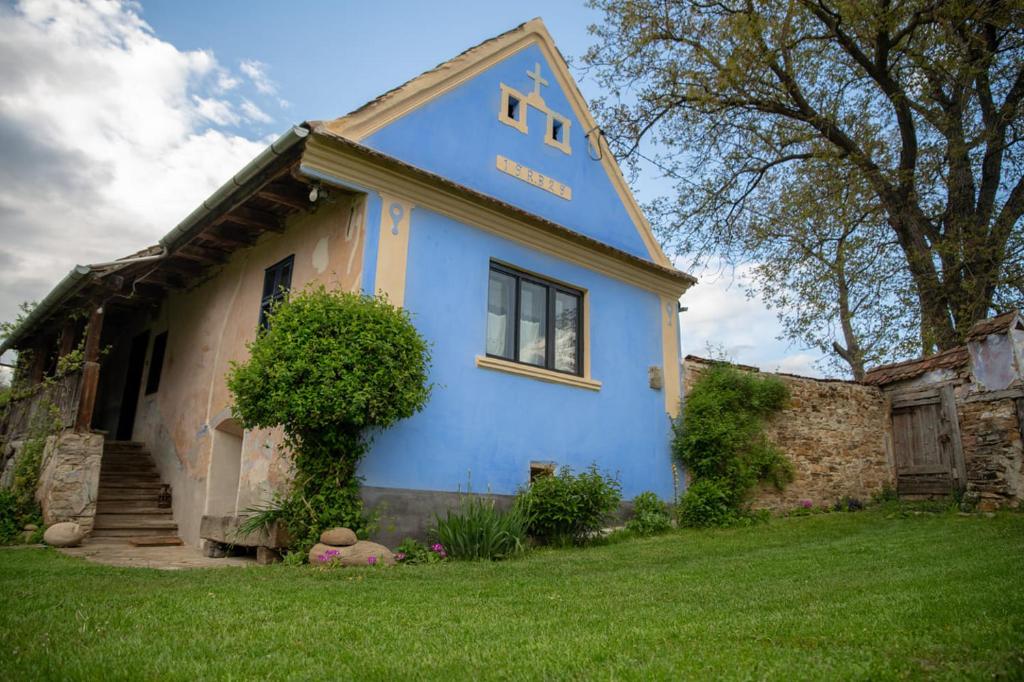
<point x="354" y="555"/>
<point x="66" y="534"/>
<point x="338" y="537"/>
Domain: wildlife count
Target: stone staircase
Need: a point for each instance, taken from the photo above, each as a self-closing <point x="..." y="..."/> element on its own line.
<point x="127" y="507"/>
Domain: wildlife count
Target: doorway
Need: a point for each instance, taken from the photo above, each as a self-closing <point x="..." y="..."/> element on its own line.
<point x="926" y="440"/>
<point x="132" y="384"/>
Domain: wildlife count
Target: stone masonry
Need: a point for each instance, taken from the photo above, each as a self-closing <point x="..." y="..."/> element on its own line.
<point x="69" y="482"/>
<point x="994" y="450"/>
<point x="834" y="432"/>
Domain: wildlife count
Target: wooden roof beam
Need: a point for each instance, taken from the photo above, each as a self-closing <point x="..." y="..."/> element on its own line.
<point x="283" y="198"/>
<point x="253" y="217"/>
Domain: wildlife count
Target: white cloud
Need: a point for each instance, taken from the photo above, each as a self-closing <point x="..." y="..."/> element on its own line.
<point x="254" y="113"/>
<point x="257" y="73"/>
<point x="721" y="319"/>
<point x="226" y="82"/>
<point x="106" y="139"/>
<point x="218" y="111"/>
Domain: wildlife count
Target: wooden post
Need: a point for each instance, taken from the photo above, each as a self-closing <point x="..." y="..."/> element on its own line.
<point x="67" y="339"/>
<point x="90" y="371"/>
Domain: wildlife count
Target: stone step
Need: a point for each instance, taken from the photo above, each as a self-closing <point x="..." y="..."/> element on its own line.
<point x="126" y="533"/>
<point x="140" y="521"/>
<point x="123" y="444"/>
<point x="104" y="508"/>
<point x="153" y="488"/>
<point x="156" y="541"/>
<point x="129" y="478"/>
<point x="116" y="495"/>
<point x="129" y="469"/>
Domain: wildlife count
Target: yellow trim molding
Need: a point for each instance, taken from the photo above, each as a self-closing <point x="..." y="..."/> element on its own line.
<point x="393" y="247"/>
<point x="670" y="353"/>
<point x="335" y="163"/>
<point x="370" y="118"/>
<point x="540" y="373"/>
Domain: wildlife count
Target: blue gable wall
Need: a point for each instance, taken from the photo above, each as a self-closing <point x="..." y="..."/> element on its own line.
<point x="489" y="425"/>
<point x="458" y="135"/>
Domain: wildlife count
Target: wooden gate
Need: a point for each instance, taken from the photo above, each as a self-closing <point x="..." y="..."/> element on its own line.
<point x="926" y="442"/>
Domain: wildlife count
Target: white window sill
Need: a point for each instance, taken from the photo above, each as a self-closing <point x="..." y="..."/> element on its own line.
<point x="536" y="373"/>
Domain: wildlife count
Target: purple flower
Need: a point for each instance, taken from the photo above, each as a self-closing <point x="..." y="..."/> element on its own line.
<point x="332" y="553"/>
<point x="438" y="547"/>
<point x="806" y="504"/>
<point x="400" y="556"/>
<point x="372" y="560"/>
<point x="443" y="554"/>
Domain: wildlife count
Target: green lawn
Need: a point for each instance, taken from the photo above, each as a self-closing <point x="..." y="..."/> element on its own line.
<point x="839" y="596"/>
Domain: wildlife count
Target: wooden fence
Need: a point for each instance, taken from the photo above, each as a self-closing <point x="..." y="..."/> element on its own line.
<point x="29" y="410"/>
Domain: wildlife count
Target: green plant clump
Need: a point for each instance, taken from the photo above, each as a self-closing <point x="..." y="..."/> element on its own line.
<point x="477" y="529"/>
<point x="720" y="440"/>
<point x="650" y="515"/>
<point x="330" y="367"/>
<point x="568" y="508"/>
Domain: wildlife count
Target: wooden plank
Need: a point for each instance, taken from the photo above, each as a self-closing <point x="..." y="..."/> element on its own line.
<point x="202" y="254"/>
<point x="904" y="403"/>
<point x="988" y="396"/>
<point x="278" y="196"/>
<point x="958" y="467"/>
<point x="254" y="217"/>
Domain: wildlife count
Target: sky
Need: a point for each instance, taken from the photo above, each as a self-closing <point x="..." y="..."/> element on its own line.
<point x="118" y="119"/>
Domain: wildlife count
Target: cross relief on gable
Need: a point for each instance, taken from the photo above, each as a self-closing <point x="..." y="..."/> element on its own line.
<point x="514" y="107"/>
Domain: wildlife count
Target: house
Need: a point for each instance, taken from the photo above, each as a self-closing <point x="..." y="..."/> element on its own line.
<point x="480" y="196"/>
<point x="957" y="417"/>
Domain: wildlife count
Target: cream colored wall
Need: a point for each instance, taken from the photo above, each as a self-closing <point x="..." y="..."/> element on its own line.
<point x="208" y="328"/>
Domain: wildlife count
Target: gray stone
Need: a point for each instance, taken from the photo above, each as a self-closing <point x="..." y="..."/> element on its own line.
<point x="65" y="534"/>
<point x="266" y="556"/>
<point x="31" y="527"/>
<point x="338" y="537"/>
<point x="70" y="477"/>
<point x="214" y="550"/>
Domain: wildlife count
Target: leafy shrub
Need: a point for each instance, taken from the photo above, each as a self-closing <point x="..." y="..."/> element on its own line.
<point x="479" y="530"/>
<point x="720" y="440"/>
<point x="330" y="367"/>
<point x="848" y="503"/>
<point x="412" y="552"/>
<point x="650" y="515"/>
<point x="567" y="508"/>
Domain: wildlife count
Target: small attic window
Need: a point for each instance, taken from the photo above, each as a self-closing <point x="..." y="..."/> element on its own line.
<point x="512" y="109"/>
<point x="558" y="133"/>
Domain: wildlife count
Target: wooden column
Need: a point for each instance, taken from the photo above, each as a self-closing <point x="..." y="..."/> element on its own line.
<point x="90" y="371"/>
<point x="67" y="339"/>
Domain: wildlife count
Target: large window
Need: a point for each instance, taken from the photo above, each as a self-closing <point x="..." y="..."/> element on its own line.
<point x="277" y="280"/>
<point x="533" y="321"/>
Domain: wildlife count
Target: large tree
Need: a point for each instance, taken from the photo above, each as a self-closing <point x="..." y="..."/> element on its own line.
<point x="759" y="107"/>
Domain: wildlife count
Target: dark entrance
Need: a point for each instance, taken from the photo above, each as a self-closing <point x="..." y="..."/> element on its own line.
<point x="132" y="384"/>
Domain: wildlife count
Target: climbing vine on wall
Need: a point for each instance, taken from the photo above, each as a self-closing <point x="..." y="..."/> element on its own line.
<point x="720" y="439"/>
<point x="331" y="368"/>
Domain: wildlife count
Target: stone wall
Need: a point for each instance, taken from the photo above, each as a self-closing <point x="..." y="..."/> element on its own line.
<point x="70" y="478"/>
<point x="836" y="434"/>
<point x="993" y="447"/>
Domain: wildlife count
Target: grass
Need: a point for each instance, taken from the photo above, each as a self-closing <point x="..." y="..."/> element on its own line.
<point x="838" y="596"/>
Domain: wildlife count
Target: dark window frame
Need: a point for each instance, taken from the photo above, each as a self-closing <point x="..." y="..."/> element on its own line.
<point x="552" y="287"/>
<point x="156" y="363"/>
<point x="277" y="289"/>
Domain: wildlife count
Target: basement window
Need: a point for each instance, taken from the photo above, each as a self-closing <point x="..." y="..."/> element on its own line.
<point x="277" y="281"/>
<point x="156" y="363"/>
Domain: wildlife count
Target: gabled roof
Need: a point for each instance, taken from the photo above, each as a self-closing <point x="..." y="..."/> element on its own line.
<point x="392" y="105"/>
<point x="954" y="358"/>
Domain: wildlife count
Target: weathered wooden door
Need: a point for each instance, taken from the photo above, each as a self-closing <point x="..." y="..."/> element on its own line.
<point x="926" y="441"/>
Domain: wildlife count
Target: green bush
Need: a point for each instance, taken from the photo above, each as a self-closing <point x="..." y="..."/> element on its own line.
<point x="479" y="530"/>
<point x="567" y="508"/>
<point x="412" y="552"/>
<point x="650" y="515"/>
<point x="330" y="367"/>
<point x="720" y="440"/>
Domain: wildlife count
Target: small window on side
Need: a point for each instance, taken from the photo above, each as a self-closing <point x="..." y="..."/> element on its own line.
<point x="156" y="363"/>
<point x="512" y="111"/>
<point x="277" y="281"/>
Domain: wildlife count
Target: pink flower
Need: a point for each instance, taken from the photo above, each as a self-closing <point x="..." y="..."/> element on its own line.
<point x="372" y="560"/>
<point x="438" y="547"/>
<point x="806" y="504"/>
<point x="400" y="556"/>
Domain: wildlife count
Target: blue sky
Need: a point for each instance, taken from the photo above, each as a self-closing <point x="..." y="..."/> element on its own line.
<point x="147" y="107"/>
